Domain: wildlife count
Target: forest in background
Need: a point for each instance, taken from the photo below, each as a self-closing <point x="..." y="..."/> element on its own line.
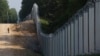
<point x="7" y="15"/>
<point x="54" y="12"/>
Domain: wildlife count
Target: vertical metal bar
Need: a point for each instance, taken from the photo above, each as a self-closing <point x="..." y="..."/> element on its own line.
<point x="70" y="39"/>
<point x="83" y="30"/>
<point x="52" y="46"/>
<point x="46" y="46"/>
<point x="97" y="23"/>
<point x="55" y="45"/>
<point x="49" y="47"/>
<point x="67" y="40"/>
<point x="56" y="41"/>
<point x="74" y="36"/>
<point x="94" y="27"/>
<point x="78" y="34"/>
<point x="88" y="32"/>
<point x="64" y="43"/>
<point x="91" y="27"/>
<point x="60" y="43"/>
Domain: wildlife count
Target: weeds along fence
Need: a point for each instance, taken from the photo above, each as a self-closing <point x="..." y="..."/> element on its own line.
<point x="79" y="36"/>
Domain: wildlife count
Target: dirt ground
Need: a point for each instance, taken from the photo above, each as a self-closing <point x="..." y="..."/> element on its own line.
<point x="18" y="39"/>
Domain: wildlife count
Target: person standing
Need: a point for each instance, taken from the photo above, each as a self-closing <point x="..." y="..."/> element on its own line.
<point x="8" y="30"/>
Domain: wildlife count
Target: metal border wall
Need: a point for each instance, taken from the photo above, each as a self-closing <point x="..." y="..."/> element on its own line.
<point x="79" y="36"/>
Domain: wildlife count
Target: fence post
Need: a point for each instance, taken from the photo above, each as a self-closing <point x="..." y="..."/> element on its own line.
<point x="91" y="28"/>
<point x="76" y="35"/>
<point x="85" y="30"/>
<point x="69" y="47"/>
<point x="72" y="38"/>
<point x="97" y="24"/>
<point x="66" y="41"/>
<point x="80" y="34"/>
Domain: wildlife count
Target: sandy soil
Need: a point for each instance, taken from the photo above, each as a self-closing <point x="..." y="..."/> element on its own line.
<point x="19" y="40"/>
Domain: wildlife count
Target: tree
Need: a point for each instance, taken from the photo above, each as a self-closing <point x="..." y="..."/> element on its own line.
<point x="56" y="12"/>
<point x="3" y="10"/>
<point x="26" y="8"/>
<point x="12" y="15"/>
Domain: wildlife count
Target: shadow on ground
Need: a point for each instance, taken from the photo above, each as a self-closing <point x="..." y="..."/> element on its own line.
<point x="19" y="46"/>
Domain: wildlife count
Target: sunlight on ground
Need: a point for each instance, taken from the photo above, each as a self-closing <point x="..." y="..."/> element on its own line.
<point x="11" y="47"/>
<point x="19" y="38"/>
<point x="6" y="45"/>
<point x="3" y="29"/>
<point x="4" y="42"/>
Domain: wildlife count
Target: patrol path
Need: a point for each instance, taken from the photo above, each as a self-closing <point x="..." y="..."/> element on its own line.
<point x="19" y="41"/>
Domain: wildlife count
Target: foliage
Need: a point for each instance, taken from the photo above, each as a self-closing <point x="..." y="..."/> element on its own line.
<point x="12" y="15"/>
<point x="45" y="24"/>
<point x="57" y="12"/>
<point x="26" y="8"/>
<point x="3" y="10"/>
<point x="43" y="21"/>
<point x="6" y="13"/>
